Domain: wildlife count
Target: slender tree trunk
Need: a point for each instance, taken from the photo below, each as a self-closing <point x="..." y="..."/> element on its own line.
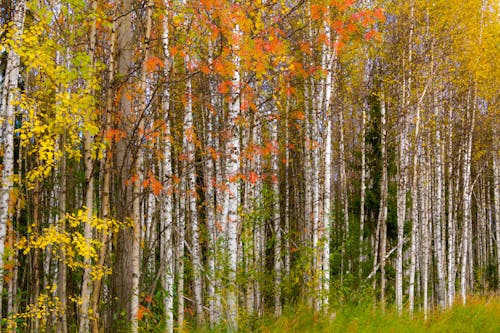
<point x="106" y="185"/>
<point x="276" y="219"/>
<point x="438" y="203"/>
<point x="425" y="226"/>
<point x="382" y="218"/>
<point x="327" y="213"/>
<point x="466" y="202"/>
<point x="62" y="325"/>
<point x="344" y="199"/>
<point x="415" y="227"/>
<point x="232" y="171"/>
<point x="402" y="180"/>
<point x="451" y="216"/>
<point x="7" y="121"/>
<point x="189" y="147"/>
<point x="329" y="59"/>
<point x="401" y="209"/>
<point x="363" y="192"/>
<point x="259" y="233"/>
<point x="210" y="199"/>
<point x="89" y="202"/>
<point x="35" y="255"/>
<point x="167" y="204"/>
<point x="496" y="194"/>
<point x="180" y="232"/>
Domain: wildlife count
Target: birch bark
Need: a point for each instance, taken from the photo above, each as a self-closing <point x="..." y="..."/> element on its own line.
<point x="167" y="204"/>
<point x="382" y="218"/>
<point x="466" y="202"/>
<point x="86" y="291"/>
<point x="7" y="114"/>
<point x="232" y="173"/>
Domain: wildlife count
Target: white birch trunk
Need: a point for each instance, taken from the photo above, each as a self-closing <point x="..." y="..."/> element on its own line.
<point x="276" y="219"/>
<point x="343" y="193"/>
<point x="180" y="232"/>
<point x="327" y="212"/>
<point x="466" y="202"/>
<point x="382" y="218"/>
<point x="496" y="193"/>
<point x="167" y="205"/>
<point x="232" y="176"/>
<point x="329" y="57"/>
<point x="9" y="95"/>
<point x="438" y="203"/>
<point x="363" y="191"/>
<point x="189" y="148"/>
<point x="210" y="204"/>
<point x="415" y="227"/>
<point x="451" y="216"/>
<point x="401" y="209"/>
<point x="259" y="233"/>
<point x="89" y="202"/>
<point x="425" y="226"/>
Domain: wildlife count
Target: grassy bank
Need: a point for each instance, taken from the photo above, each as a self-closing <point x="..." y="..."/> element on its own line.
<point x="479" y="315"/>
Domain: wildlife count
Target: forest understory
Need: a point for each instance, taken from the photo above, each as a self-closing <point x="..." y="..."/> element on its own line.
<point x="249" y="165"/>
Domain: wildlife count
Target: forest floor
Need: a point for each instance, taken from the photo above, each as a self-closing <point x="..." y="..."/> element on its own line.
<point x="481" y="314"/>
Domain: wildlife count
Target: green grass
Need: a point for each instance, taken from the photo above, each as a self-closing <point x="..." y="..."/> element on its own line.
<point x="480" y="315"/>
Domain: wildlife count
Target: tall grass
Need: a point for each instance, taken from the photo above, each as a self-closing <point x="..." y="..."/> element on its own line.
<point x="481" y="314"/>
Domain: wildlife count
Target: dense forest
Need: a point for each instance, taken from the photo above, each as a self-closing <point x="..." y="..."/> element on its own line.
<point x="170" y="164"/>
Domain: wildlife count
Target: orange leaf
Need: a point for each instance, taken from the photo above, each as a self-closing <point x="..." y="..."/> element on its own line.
<point x="156" y="186"/>
<point x="140" y="312"/>
<point x="299" y="115"/>
<point x="317" y="11"/>
<point x="253" y="177"/>
<point x="378" y="13"/>
<point x="152" y="63"/>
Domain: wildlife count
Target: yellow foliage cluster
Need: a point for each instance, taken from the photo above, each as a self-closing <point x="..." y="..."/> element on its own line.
<point x="72" y="244"/>
<point x="58" y="109"/>
<point x="47" y="306"/>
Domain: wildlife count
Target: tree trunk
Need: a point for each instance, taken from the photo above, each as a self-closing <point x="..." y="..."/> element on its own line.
<point x="106" y="185"/>
<point x="62" y="325"/>
<point x="232" y="174"/>
<point x="167" y="205"/>
<point x="382" y="218"/>
<point x="452" y="228"/>
<point x="496" y="193"/>
<point x="126" y="266"/>
<point x="7" y="121"/>
<point x="276" y="218"/>
<point x="89" y="200"/>
<point x="466" y="202"/>
<point x="426" y="229"/>
<point x="438" y="203"/>
<point x="363" y="192"/>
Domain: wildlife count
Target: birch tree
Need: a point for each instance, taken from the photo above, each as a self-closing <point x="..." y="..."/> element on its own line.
<point x="7" y="113"/>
